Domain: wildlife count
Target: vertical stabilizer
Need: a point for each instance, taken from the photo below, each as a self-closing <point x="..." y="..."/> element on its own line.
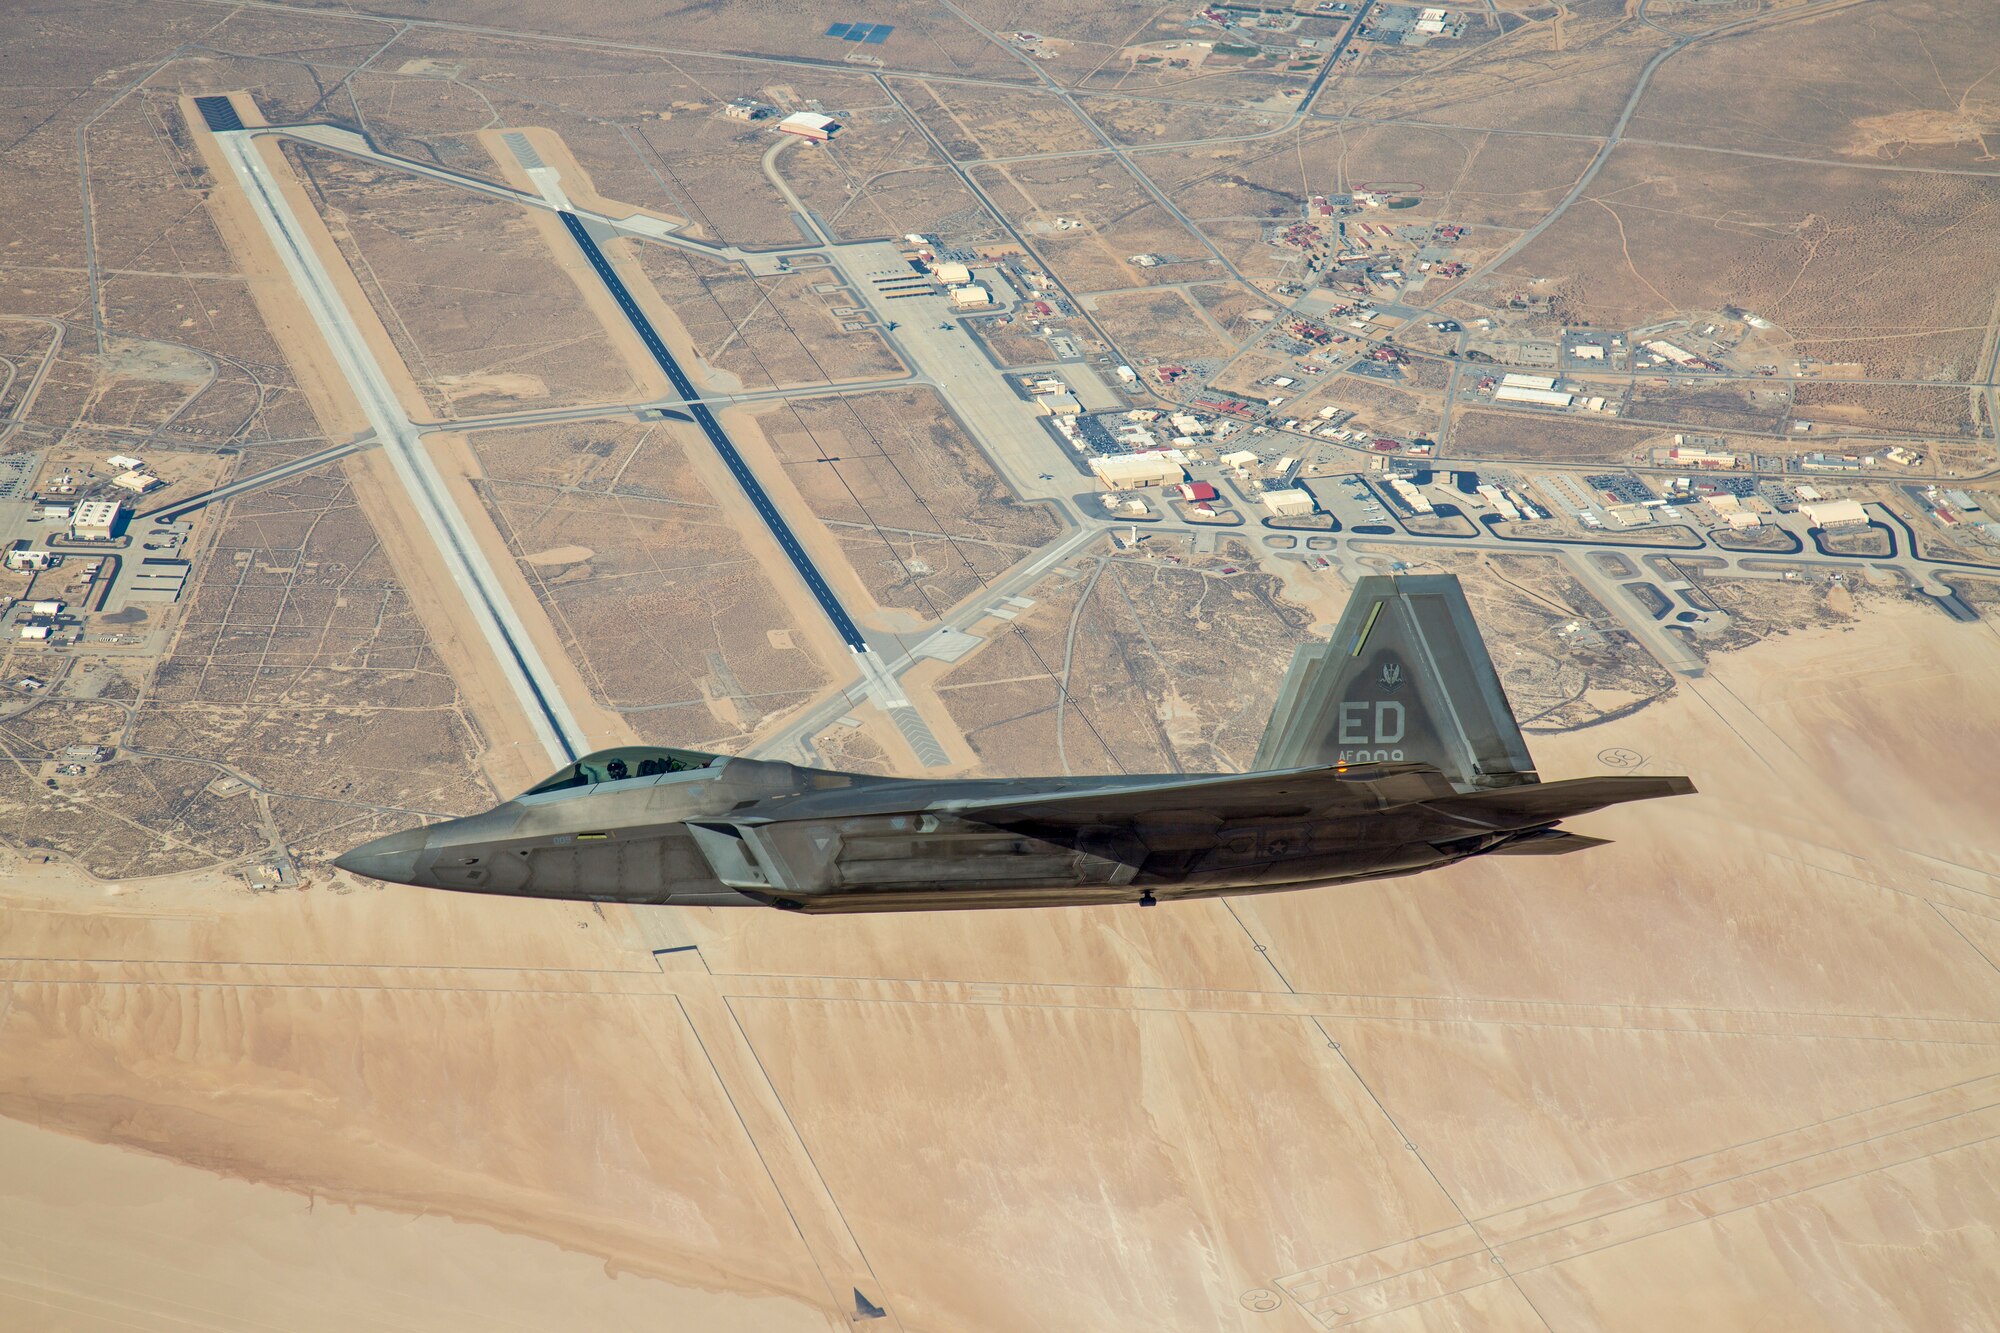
<point x="1405" y="678"/>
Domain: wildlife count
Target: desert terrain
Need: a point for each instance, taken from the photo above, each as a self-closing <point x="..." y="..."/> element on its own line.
<point x="1760" y="1034"/>
<point x="480" y="387"/>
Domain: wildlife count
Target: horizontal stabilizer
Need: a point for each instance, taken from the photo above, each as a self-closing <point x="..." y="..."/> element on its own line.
<point x="1544" y="802"/>
<point x="1549" y="842"/>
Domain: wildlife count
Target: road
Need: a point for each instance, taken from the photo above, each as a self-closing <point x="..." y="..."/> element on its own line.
<point x="781" y="531"/>
<point x="336" y="139"/>
<point x="943" y="352"/>
<point x="26" y="402"/>
<point x="1118" y="151"/>
<point x="875" y="681"/>
<point x="1680" y="43"/>
<point x="544" y="416"/>
<point x="1580" y="555"/>
<point x="939" y="354"/>
<point x="256" y="481"/>
<point x="547" y="712"/>
<point x="795" y="740"/>
<point x="1603" y="155"/>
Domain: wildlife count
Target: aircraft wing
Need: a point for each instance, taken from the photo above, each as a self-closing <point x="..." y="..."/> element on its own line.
<point x="1208" y="798"/>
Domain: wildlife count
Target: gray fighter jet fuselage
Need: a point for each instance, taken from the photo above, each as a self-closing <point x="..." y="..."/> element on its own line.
<point x="1391" y="750"/>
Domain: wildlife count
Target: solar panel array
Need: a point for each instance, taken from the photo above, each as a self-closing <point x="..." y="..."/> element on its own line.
<point x="874" y="34"/>
<point x="219" y="112"/>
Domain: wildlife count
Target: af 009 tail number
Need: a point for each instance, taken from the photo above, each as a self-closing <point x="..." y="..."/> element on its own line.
<point x="1381" y="723"/>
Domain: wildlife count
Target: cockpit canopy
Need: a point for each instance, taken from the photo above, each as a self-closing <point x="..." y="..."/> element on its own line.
<point x="626" y="761"/>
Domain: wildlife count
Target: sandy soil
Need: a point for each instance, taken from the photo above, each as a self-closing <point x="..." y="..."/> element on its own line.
<point x="101" y="1239"/>
<point x="1737" y="1067"/>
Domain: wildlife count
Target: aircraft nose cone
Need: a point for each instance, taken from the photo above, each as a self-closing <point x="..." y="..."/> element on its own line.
<point x="393" y="858"/>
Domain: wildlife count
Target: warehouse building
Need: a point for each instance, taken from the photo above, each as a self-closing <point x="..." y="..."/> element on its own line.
<point x="1410" y="496"/>
<point x="1129" y="470"/>
<point x="137" y="482"/>
<point x="971" y="296"/>
<point x="952" y="275"/>
<point x="23" y="556"/>
<point x="1696" y="456"/>
<point x="1503" y="506"/>
<point x="1289" y="501"/>
<point x="96" y="520"/>
<point x="1834" y="513"/>
<point x="810" y="125"/>
<point x="1514" y="393"/>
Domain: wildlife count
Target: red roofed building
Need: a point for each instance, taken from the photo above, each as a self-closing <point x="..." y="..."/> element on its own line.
<point x="1197" y="490"/>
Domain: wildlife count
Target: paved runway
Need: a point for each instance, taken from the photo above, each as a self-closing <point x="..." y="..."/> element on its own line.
<point x="710" y="427"/>
<point x="547" y="711"/>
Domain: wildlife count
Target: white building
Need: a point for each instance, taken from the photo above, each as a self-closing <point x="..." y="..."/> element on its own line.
<point x="126" y="463"/>
<point x="1061" y="404"/>
<point x="952" y="275"/>
<point x="1130" y="470"/>
<point x="810" y="125"/>
<point x="1410" y="495"/>
<point x="1509" y="393"/>
<point x="95" y="520"/>
<point x="972" y="296"/>
<point x="1501" y="504"/>
<point x="1516" y="381"/>
<point x="137" y="482"/>
<point x="22" y="556"/>
<point x="1834" y="513"/>
<point x="34" y="631"/>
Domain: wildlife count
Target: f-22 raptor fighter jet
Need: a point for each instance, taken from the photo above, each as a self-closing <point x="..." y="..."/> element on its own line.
<point x="1392" y="749"/>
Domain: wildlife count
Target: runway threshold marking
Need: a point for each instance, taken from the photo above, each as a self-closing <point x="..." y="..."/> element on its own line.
<point x="787" y="541"/>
